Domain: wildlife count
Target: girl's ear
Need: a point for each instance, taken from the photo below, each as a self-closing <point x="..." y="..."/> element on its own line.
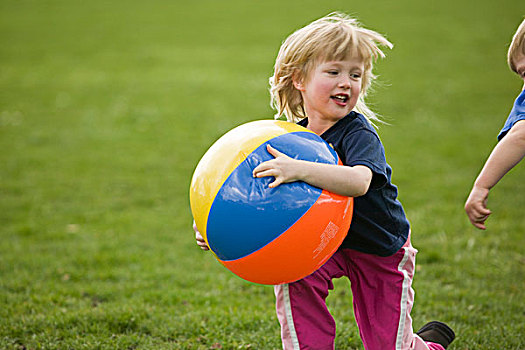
<point x="298" y="81"/>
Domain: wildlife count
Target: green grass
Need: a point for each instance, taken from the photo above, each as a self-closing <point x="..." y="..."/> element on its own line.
<point x="106" y="108"/>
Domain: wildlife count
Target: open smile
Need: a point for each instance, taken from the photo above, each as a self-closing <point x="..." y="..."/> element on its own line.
<point x="340" y="99"/>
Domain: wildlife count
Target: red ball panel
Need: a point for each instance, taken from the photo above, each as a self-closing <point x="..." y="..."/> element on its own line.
<point x="301" y="249"/>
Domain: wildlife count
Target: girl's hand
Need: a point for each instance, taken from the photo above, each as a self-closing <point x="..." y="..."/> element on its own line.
<point x="283" y="168"/>
<point x="200" y="240"/>
<point x="476" y="207"/>
<point x="343" y="180"/>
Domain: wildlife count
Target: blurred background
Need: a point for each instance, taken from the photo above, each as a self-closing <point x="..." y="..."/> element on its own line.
<point x="107" y="106"/>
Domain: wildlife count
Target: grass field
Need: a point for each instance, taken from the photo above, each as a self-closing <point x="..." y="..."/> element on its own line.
<point x="107" y="106"/>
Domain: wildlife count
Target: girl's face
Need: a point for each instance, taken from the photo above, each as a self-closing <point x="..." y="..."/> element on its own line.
<point x="519" y="62"/>
<point x="331" y="89"/>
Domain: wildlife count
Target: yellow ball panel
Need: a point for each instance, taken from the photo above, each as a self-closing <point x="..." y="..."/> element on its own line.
<point x="224" y="156"/>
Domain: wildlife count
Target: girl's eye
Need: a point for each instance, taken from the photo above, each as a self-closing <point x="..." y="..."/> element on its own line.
<point x="333" y="72"/>
<point x="355" y="76"/>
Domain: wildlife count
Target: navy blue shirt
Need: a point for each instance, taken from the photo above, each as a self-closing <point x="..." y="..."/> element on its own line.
<point x="516" y="114"/>
<point x="379" y="224"/>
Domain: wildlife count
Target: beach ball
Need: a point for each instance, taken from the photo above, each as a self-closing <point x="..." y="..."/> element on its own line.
<point x="267" y="235"/>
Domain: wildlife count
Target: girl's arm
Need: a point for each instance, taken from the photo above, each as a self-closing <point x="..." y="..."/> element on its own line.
<point x="343" y="180"/>
<point x="507" y="153"/>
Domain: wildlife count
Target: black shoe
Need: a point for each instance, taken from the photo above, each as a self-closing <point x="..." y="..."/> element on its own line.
<point x="437" y="332"/>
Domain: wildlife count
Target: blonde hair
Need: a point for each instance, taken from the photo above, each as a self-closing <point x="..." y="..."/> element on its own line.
<point x="334" y="37"/>
<point x="517" y="46"/>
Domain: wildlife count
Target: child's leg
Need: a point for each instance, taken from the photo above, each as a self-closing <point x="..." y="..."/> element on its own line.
<point x="383" y="299"/>
<point x="305" y="320"/>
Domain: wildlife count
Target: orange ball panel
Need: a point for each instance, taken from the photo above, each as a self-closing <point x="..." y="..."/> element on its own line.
<point x="291" y="257"/>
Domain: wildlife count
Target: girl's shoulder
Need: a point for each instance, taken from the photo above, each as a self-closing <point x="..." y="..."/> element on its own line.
<point x="356" y="125"/>
<point x="516" y="114"/>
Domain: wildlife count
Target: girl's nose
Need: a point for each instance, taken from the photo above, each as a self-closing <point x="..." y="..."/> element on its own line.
<point x="344" y="83"/>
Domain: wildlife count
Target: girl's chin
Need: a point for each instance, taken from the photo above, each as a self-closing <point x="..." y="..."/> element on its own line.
<point x="340" y="115"/>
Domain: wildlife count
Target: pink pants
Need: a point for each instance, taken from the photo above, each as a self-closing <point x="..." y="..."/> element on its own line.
<point x="382" y="296"/>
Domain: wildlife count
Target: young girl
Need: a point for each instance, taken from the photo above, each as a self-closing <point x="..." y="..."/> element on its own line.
<point x="321" y="76"/>
<point x="511" y="147"/>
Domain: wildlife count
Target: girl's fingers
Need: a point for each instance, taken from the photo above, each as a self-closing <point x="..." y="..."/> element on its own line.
<point x="270" y="167"/>
<point x="264" y="166"/>
<point x="199" y="237"/>
<point x="481" y="226"/>
<point x="268" y="172"/>
<point x="203" y="246"/>
<point x="276" y="183"/>
<point x="482" y="213"/>
<point x="273" y="151"/>
<point x="485" y="211"/>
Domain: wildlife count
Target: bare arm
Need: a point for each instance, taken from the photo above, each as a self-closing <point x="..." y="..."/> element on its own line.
<point x="507" y="153"/>
<point x="344" y="180"/>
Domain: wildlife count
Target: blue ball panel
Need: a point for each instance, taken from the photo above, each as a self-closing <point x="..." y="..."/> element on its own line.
<point x="246" y="214"/>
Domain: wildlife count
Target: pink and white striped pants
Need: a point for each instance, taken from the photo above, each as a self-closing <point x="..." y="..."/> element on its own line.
<point x="382" y="297"/>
